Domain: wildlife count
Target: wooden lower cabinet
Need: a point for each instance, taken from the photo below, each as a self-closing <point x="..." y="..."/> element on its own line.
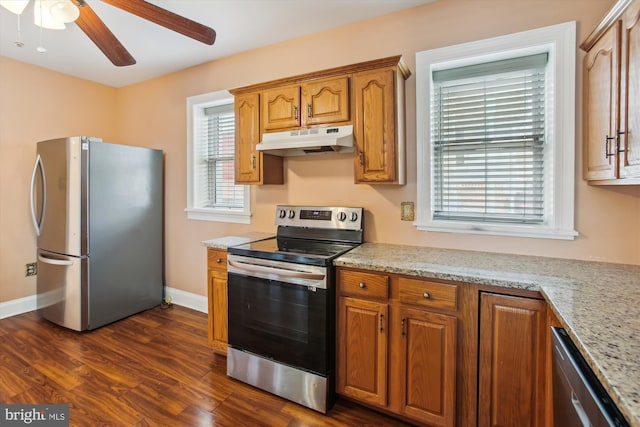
<point x="441" y="353"/>
<point x="217" y="297"/>
<point x="512" y="361"/>
<point x="362" y="350"/>
<point x="427" y="372"/>
<point x="393" y="352"/>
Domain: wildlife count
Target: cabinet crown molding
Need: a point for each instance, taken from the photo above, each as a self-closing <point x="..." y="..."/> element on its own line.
<point x="390" y="61"/>
<point x="614" y="14"/>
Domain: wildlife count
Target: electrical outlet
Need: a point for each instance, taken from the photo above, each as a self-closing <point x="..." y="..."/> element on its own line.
<point x="406" y="211"/>
<point x="31" y="269"/>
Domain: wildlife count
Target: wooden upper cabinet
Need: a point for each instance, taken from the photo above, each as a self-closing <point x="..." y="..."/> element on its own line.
<point x="512" y="361"/>
<point x="378" y="127"/>
<point x="601" y="75"/>
<point x="612" y="97"/>
<point x="252" y="166"/>
<point x="368" y="95"/>
<point x="630" y="142"/>
<point x="281" y="108"/>
<point x="317" y="102"/>
<point x="326" y="101"/>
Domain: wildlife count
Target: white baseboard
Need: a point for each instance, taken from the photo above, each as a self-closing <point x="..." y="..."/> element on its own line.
<point x="187" y="299"/>
<point x="178" y="297"/>
<point x="18" y="306"/>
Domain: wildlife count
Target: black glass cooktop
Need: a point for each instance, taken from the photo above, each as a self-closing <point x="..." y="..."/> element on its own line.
<point x="300" y="251"/>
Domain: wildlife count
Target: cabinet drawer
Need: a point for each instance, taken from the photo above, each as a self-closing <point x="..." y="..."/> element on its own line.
<point x="363" y="284"/>
<point x="428" y="294"/>
<point x="217" y="259"/>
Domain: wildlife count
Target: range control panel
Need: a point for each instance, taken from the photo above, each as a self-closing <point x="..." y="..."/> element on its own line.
<point x="339" y="218"/>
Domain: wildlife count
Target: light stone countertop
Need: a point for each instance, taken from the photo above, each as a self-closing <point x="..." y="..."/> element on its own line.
<point x="598" y="303"/>
<point x="239" y="239"/>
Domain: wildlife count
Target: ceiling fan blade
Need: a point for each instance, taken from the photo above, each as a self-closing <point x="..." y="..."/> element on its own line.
<point x="163" y="17"/>
<point x="98" y="32"/>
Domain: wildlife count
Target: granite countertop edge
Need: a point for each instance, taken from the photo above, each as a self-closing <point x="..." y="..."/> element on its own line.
<point x="223" y="243"/>
<point x="573" y="289"/>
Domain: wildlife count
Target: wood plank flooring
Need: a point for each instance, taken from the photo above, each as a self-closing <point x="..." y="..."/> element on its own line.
<point x="151" y="369"/>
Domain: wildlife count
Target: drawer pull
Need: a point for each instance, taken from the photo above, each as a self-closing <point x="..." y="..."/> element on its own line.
<point x="426" y="295"/>
<point x="362" y="285"/>
<point x="218" y="260"/>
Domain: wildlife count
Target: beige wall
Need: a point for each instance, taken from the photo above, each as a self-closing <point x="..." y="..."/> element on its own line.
<point x="37" y="104"/>
<point x="153" y="114"/>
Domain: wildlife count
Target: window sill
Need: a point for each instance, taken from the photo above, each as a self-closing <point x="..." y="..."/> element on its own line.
<point x="219" y="215"/>
<point x="507" y="231"/>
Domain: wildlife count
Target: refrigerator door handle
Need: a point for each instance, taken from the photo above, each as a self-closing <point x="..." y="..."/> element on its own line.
<point x="54" y="261"/>
<point x="38" y="224"/>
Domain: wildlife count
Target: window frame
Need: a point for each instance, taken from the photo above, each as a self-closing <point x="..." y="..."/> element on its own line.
<point x="195" y="113"/>
<point x="559" y="41"/>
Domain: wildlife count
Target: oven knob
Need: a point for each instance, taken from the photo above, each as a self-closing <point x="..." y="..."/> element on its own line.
<point x="342" y="216"/>
<point x="292" y="214"/>
<point x="282" y="213"/>
<point x="354" y="216"/>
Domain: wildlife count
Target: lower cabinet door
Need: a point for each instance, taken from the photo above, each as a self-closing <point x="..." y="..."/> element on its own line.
<point x="512" y="361"/>
<point x="362" y="350"/>
<point x="220" y="327"/>
<point x="428" y="366"/>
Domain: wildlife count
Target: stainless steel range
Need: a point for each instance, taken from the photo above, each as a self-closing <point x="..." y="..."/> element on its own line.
<point x="282" y="304"/>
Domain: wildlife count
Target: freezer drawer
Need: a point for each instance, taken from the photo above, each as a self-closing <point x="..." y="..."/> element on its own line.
<point x="579" y="400"/>
<point x="62" y="289"/>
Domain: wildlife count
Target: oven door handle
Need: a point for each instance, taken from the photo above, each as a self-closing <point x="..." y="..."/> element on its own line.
<point x="283" y="272"/>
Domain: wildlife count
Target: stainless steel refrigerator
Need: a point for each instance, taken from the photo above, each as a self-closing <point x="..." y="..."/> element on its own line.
<point x="97" y="209"/>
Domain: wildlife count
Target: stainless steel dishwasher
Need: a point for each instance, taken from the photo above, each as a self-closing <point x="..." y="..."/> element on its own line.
<point x="579" y="400"/>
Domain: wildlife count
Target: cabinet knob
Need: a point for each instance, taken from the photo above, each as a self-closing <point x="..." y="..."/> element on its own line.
<point x="426" y="295"/>
<point x="218" y="260"/>
<point x="362" y="285"/>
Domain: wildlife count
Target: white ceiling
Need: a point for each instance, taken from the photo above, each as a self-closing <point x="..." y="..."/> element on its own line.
<point x="240" y="25"/>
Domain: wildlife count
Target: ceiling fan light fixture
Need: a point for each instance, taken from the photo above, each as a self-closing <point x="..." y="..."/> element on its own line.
<point x="42" y="16"/>
<point x="64" y="11"/>
<point x="14" y="6"/>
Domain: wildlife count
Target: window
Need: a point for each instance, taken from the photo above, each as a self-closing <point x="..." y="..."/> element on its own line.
<point x="212" y="193"/>
<point x="496" y="135"/>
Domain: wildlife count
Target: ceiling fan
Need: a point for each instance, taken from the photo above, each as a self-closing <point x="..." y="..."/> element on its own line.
<point x="98" y="32"/>
<point x="91" y="24"/>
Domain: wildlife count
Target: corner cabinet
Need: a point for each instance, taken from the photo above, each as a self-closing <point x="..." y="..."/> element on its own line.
<point x="397" y="345"/>
<point x="252" y="166"/>
<point x="217" y="297"/>
<point x="612" y="98"/>
<point x="368" y="95"/>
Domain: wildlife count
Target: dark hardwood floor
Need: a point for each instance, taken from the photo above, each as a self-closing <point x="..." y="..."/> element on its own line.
<point x="151" y="369"/>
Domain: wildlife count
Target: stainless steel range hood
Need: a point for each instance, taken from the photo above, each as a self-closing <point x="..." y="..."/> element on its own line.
<point x="308" y="141"/>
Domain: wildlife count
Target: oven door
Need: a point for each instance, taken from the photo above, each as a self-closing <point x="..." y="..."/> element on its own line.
<point x="280" y="311"/>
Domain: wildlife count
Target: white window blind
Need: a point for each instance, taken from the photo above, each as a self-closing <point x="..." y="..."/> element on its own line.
<point x="488" y="141"/>
<point x="217" y="165"/>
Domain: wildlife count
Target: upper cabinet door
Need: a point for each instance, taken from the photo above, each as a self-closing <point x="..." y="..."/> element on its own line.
<point x="374" y="126"/>
<point x="247" y="158"/>
<point x="325" y="101"/>
<point x="281" y="108"/>
<point x="601" y="92"/>
<point x="630" y="139"/>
